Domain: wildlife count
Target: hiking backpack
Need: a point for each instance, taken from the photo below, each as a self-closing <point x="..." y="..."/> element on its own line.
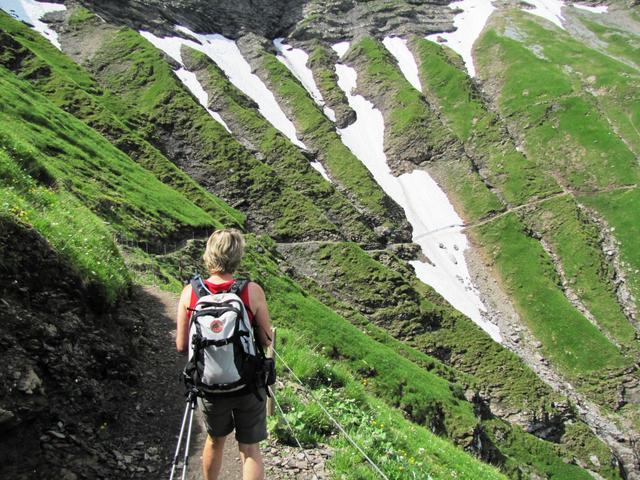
<point x="223" y="355"/>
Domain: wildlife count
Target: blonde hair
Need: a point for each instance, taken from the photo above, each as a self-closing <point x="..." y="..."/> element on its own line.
<point x="224" y="251"/>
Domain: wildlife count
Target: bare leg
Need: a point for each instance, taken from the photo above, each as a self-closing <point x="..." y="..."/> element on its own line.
<point x="212" y="457"/>
<point x="252" y="467"/>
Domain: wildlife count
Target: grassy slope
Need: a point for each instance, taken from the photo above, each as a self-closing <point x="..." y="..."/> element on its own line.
<point x="72" y="229"/>
<point x="618" y="43"/>
<point x="508" y="242"/>
<point x="401" y="309"/>
<point x="406" y="308"/>
<point x="576" y="241"/>
<point x="135" y="71"/>
<point x="615" y="207"/>
<point x="530" y="279"/>
<point x="562" y="127"/>
<point x="53" y="74"/>
<point x="315" y="128"/>
<point x="613" y="82"/>
<point x="517" y="178"/>
<point x="76" y="158"/>
<point x="285" y="158"/>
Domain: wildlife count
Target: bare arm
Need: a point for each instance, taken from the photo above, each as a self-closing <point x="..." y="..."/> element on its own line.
<point x="182" y="320"/>
<point x="258" y="304"/>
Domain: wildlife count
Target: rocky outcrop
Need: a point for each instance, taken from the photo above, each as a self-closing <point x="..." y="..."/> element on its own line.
<point x="231" y="18"/>
<point x="322" y="62"/>
<point x="339" y="20"/>
<point x="66" y="359"/>
<point x="332" y="21"/>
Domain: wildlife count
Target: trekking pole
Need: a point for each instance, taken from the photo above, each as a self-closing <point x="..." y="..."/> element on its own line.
<point x="175" y="457"/>
<point x="185" y="464"/>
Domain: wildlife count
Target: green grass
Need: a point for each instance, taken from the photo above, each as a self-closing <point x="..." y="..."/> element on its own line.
<point x="563" y="130"/>
<point x="81" y="15"/>
<point x="620" y="209"/>
<point x="614" y="84"/>
<point x="530" y="279"/>
<point x="398" y="447"/>
<point x="73" y="231"/>
<point x="66" y="84"/>
<point x="619" y="43"/>
<point x="542" y="457"/>
<point x="390" y="301"/>
<point x="136" y="71"/>
<point x="65" y="151"/>
<point x="517" y="178"/>
<point x="579" y="438"/>
<point x="576" y="241"/>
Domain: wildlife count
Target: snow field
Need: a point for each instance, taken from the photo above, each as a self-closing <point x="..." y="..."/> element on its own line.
<point x="225" y="53"/>
<point x="549" y="9"/>
<point x="31" y="12"/>
<point x="295" y="60"/>
<point x="436" y="225"/>
<point x="407" y="63"/>
<point x="469" y="25"/>
<point x="320" y="168"/>
<point x="341" y="48"/>
<point x="598" y="9"/>
<point x="552" y="10"/>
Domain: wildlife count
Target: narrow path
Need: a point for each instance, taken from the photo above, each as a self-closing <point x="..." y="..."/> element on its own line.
<point x="163" y="363"/>
<point x="492" y="218"/>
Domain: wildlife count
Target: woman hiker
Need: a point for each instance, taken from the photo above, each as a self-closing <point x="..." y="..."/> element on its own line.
<point x="243" y="412"/>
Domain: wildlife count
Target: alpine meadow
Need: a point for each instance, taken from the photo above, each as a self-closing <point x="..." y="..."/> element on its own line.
<point x="439" y="199"/>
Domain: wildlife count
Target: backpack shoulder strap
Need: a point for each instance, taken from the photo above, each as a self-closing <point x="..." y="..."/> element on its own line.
<point x="238" y="286"/>
<point x="199" y="287"/>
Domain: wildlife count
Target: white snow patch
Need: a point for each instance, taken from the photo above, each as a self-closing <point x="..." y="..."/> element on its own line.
<point x="169" y="45"/>
<point x="193" y="84"/>
<point x="320" y="168"/>
<point x="406" y="61"/>
<point x="341" y="48"/>
<point x="598" y="9"/>
<point x="225" y="53"/>
<point x="228" y="57"/>
<point x="549" y="9"/>
<point x="436" y="225"/>
<point x="31" y="12"/>
<point x="469" y="25"/>
<point x="295" y="60"/>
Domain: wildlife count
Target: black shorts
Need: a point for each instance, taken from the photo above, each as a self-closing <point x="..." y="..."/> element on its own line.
<point x="246" y="413"/>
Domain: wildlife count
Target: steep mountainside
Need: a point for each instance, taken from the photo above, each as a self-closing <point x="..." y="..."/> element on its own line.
<point x="445" y="224"/>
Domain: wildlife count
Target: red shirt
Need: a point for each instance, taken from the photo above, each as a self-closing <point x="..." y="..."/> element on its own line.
<point x="223" y="287"/>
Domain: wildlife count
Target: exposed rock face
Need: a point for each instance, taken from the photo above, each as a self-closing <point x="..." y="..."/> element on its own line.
<point x="338" y="20"/>
<point x="331" y="21"/>
<point x="231" y="18"/>
<point x="63" y="372"/>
